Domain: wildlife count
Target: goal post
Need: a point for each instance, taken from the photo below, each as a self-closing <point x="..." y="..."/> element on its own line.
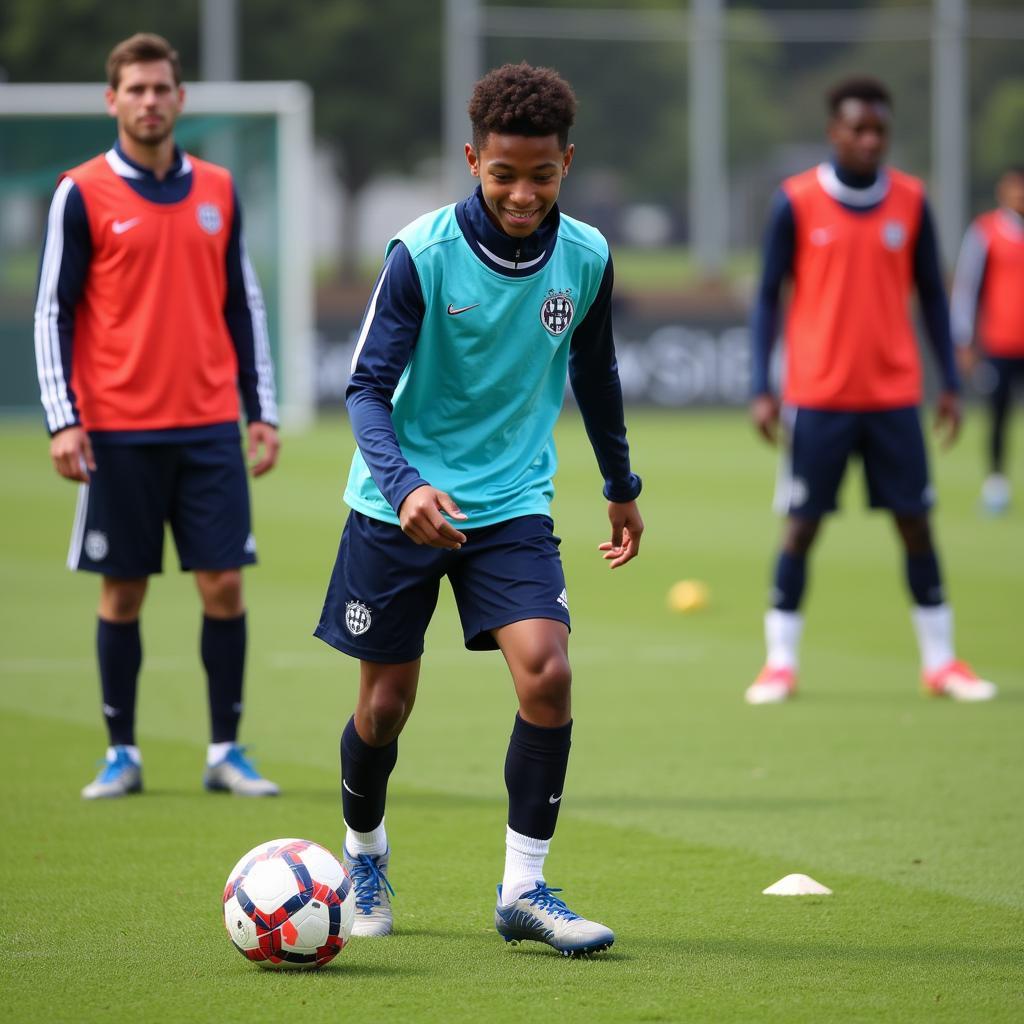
<point x="262" y="131"/>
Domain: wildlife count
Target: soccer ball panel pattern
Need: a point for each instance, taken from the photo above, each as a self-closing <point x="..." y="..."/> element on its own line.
<point x="289" y="904"/>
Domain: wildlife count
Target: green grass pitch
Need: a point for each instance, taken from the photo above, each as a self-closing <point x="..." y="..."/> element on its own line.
<point x="682" y="803"/>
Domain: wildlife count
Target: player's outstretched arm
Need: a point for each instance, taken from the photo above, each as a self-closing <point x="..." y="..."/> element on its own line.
<point x="764" y="411"/>
<point x="627" y="528"/>
<point x="423" y="522"/>
<point x="72" y="455"/>
<point x="263" y="447"/>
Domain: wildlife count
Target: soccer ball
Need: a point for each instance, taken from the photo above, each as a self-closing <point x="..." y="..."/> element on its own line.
<point x="289" y="904"/>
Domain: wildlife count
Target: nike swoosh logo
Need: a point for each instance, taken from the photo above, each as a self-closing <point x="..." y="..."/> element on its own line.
<point x="452" y="311"/>
<point x="351" y="790"/>
<point x="119" y="227"/>
<point x="554" y="799"/>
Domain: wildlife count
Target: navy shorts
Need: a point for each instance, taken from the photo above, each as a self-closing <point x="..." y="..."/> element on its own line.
<point x="818" y="444"/>
<point x="384" y="587"/>
<point x="199" y="487"/>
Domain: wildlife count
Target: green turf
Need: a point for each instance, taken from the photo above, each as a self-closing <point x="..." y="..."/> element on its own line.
<point x="682" y="803"/>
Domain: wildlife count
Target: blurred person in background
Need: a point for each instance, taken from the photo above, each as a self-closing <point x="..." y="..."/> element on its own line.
<point x="854" y="238"/>
<point x="988" y="319"/>
<point x="148" y="322"/>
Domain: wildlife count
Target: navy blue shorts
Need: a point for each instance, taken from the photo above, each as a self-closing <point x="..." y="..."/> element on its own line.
<point x="818" y="444"/>
<point x="384" y="587"/>
<point x="199" y="487"/>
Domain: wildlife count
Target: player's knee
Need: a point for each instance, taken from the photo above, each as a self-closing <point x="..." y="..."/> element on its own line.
<point x="800" y="534"/>
<point x="221" y="593"/>
<point x="547" y="682"/>
<point x="916" y="533"/>
<point x="388" y="710"/>
<point x="121" y="599"/>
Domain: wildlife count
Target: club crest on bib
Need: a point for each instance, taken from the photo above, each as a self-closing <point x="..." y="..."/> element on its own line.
<point x="556" y="311"/>
<point x="894" y="234"/>
<point x="357" y="618"/>
<point x="210" y="220"/>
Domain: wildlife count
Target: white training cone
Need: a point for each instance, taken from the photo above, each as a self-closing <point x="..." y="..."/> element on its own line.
<point x="797" y="885"/>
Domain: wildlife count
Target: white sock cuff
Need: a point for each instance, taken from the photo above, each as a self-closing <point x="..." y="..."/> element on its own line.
<point x="374" y="842"/>
<point x="934" y="628"/>
<point x="526" y="845"/>
<point x="216" y="752"/>
<point x="782" y="632"/>
<point x="129" y="748"/>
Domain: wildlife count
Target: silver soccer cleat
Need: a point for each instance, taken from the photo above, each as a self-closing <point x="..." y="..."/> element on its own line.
<point x="235" y="774"/>
<point x="540" y="916"/>
<point x="120" y="776"/>
<point x="373" y="893"/>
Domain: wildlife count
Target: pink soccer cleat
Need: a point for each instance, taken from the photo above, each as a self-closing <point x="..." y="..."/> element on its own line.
<point x="772" y="686"/>
<point x="958" y="680"/>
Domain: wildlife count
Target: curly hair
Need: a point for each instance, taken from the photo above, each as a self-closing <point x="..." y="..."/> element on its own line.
<point x="870" y="90"/>
<point x="519" y="99"/>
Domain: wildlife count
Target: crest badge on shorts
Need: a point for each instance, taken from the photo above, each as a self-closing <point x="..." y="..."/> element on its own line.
<point x="556" y="311"/>
<point x="894" y="234"/>
<point x="357" y="618"/>
<point x="210" y="220"/>
<point x="97" y="547"/>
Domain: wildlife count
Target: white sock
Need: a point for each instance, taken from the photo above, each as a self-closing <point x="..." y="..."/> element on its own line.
<point x="216" y="752"/>
<point x="132" y="751"/>
<point x="524" y="864"/>
<point x="934" y="628"/>
<point x="782" y="632"/>
<point x="374" y="843"/>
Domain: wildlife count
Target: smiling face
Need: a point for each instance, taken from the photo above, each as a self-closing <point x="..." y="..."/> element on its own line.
<point x="146" y="103"/>
<point x="520" y="177"/>
<point x="859" y="133"/>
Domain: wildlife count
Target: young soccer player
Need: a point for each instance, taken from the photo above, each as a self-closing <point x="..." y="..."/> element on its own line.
<point x="988" y="318"/>
<point x="855" y="237"/>
<point x="457" y="381"/>
<point x="149" y="321"/>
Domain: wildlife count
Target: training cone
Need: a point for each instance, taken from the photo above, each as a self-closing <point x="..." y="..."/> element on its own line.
<point x="797" y="885"/>
<point x="688" y="596"/>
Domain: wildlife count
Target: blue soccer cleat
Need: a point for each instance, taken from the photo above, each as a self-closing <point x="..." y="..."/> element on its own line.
<point x="373" y="892"/>
<point x="120" y="776"/>
<point x="539" y="915"/>
<point x="235" y="774"/>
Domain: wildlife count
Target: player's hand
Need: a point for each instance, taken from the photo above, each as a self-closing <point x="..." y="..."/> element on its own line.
<point x="262" y="448"/>
<point x="627" y="528"/>
<point x="764" y="411"/>
<point x="71" y="451"/>
<point x="422" y="520"/>
<point x="948" y="417"/>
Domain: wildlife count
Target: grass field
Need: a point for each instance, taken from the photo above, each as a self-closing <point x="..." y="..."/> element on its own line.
<point x="682" y="803"/>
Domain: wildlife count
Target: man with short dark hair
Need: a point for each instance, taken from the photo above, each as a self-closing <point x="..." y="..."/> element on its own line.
<point x="149" y="320"/>
<point x="457" y="381"/>
<point x="988" y="319"/>
<point x="856" y="239"/>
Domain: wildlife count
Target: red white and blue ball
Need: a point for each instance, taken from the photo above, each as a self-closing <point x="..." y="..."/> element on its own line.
<point x="289" y="904"/>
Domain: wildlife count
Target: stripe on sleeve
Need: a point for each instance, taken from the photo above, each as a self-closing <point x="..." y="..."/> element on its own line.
<point x="261" y="340"/>
<point x="371" y="311"/>
<point x="970" y="269"/>
<point x="50" y="368"/>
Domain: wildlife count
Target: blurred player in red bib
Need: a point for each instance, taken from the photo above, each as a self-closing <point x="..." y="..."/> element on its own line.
<point x="855" y="239"/>
<point x="988" y="319"/>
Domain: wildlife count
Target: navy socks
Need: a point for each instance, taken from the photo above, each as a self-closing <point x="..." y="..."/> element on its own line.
<point x="535" y="769"/>
<point x="119" y="651"/>
<point x="222" y="647"/>
<point x="365" y="771"/>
